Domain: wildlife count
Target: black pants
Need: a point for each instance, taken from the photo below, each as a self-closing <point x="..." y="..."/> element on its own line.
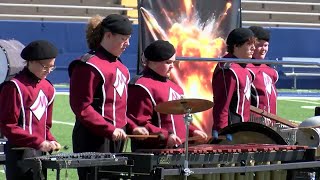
<point x="85" y="141"/>
<point x="13" y="170"/>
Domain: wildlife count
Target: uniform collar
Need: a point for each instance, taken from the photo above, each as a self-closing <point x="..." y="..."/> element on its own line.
<point x="107" y="54"/>
<point x="229" y="55"/>
<point x="30" y="75"/>
<point x="149" y="72"/>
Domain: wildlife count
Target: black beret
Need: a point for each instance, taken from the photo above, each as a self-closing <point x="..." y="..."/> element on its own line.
<point x="260" y="33"/>
<point x="159" y="50"/>
<point x="39" y="50"/>
<point x="239" y="36"/>
<point x="117" y="24"/>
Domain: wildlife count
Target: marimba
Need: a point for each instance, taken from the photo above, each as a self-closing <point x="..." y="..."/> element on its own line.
<point x="2" y="155"/>
<point x="221" y="160"/>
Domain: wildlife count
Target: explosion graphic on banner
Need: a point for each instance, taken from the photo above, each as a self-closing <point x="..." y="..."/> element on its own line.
<point x="191" y="38"/>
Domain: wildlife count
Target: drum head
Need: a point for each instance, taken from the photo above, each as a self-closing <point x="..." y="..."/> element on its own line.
<point x="3" y="64"/>
<point x="308" y="137"/>
<point x="250" y="132"/>
<point x="10" y="60"/>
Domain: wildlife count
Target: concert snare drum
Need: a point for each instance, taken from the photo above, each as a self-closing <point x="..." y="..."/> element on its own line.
<point x="10" y="60"/>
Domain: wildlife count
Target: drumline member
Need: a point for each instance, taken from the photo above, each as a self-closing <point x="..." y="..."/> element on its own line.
<point x="154" y="87"/>
<point x="26" y="103"/>
<point x="231" y="82"/>
<point x="263" y="91"/>
<point x="98" y="89"/>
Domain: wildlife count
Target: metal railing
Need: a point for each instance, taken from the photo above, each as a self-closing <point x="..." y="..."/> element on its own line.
<point x="293" y="73"/>
<point x="280" y="13"/>
<point x="281" y="2"/>
<point x="51" y="16"/>
<point x="66" y="6"/>
<point x="40" y="16"/>
<point x="281" y="23"/>
<point x="135" y="19"/>
<point x="278" y="23"/>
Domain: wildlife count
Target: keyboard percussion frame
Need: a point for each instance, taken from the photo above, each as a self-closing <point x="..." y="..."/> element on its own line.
<point x="202" y="159"/>
<point x="167" y="162"/>
<point x="72" y="160"/>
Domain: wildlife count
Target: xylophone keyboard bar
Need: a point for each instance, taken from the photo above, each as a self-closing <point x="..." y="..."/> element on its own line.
<point x="218" y="154"/>
<point x="71" y="160"/>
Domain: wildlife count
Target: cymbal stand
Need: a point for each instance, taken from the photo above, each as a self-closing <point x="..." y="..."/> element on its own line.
<point x="187" y="120"/>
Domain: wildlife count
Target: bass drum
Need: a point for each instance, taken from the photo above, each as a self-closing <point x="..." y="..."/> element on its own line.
<point x="250" y="132"/>
<point x="10" y="60"/>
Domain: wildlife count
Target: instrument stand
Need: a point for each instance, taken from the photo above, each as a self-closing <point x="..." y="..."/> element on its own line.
<point x="187" y="119"/>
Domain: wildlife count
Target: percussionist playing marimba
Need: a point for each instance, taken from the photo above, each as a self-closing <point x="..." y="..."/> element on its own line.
<point x="152" y="88"/>
<point x="26" y="103"/>
<point x="98" y="90"/>
<point x="231" y="82"/>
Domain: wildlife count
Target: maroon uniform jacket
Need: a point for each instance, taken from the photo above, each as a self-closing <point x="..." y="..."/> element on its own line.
<point x="26" y="110"/>
<point x="264" y="92"/>
<point x="231" y="85"/>
<point x="98" y="92"/>
<point x="144" y="94"/>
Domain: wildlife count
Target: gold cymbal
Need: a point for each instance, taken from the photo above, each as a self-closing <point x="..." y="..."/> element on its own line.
<point x="182" y="106"/>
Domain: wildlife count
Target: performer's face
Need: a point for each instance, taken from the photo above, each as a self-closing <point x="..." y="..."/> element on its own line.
<point x="244" y="51"/>
<point x="116" y="44"/>
<point x="262" y="48"/>
<point x="163" y="68"/>
<point x="42" y="68"/>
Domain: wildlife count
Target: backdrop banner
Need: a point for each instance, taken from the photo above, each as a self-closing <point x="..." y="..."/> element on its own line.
<point x="196" y="29"/>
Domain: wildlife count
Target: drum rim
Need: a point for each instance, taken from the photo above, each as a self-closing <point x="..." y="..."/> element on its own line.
<point x="8" y="64"/>
<point x="248" y="126"/>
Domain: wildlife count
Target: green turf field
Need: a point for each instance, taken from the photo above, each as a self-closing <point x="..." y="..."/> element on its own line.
<point x="293" y="109"/>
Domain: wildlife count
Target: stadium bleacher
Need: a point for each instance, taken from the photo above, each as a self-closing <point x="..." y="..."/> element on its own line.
<point x="303" y="13"/>
<point x="275" y="13"/>
<point x="63" y="22"/>
<point x="48" y="10"/>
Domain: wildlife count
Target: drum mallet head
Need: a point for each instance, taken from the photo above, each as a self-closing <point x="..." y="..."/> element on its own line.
<point x="229" y="137"/>
<point x="216" y="136"/>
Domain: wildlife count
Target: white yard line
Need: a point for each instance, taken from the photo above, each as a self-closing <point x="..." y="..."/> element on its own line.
<point x="302" y="101"/>
<point x="304" y="98"/>
<point x="62" y="93"/>
<point x="308" y="107"/>
<point x="61" y="122"/>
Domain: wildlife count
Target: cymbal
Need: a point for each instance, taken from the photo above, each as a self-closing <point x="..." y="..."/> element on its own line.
<point x="181" y="106"/>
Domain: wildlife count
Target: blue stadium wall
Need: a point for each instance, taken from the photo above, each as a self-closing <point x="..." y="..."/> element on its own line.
<point x="69" y="37"/>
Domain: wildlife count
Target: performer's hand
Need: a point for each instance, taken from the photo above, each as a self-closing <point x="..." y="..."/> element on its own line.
<point x="46" y="146"/>
<point x="119" y="134"/>
<point x="173" y="140"/>
<point x="55" y="145"/>
<point x="268" y="122"/>
<point x="202" y="137"/>
<point x="140" y="131"/>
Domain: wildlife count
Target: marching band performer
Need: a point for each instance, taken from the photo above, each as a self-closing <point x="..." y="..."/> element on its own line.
<point x="231" y="82"/>
<point x="263" y="91"/>
<point x="26" y="103"/>
<point x="154" y="87"/>
<point x="98" y="90"/>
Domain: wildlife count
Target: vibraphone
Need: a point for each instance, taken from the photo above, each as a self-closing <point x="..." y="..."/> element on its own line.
<point x="222" y="160"/>
<point x="2" y="155"/>
<point x="72" y="160"/>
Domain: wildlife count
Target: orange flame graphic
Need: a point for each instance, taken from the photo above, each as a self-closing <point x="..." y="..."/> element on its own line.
<point x="192" y="39"/>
